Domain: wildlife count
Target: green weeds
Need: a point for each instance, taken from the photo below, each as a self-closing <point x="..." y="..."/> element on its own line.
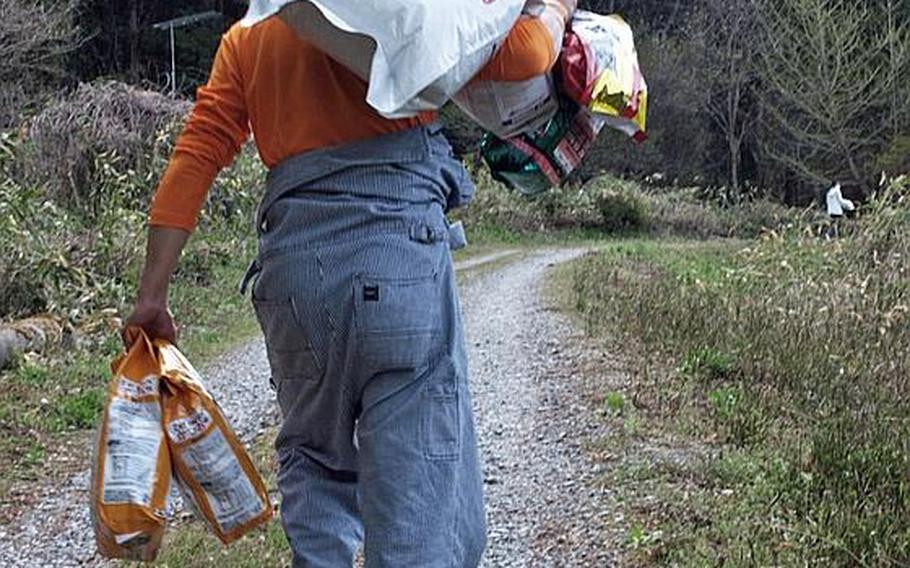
<point x="707" y="362"/>
<point x="78" y="410"/>
<point x="79" y="264"/>
<point x="789" y="355"/>
<point x="615" y="403"/>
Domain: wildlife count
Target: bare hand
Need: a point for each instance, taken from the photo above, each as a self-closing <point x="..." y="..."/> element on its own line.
<point x="154" y="318"/>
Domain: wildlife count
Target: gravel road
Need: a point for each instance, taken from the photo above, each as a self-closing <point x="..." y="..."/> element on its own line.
<point x="542" y="507"/>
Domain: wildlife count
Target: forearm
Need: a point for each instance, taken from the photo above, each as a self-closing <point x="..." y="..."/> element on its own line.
<point x="213" y="134"/>
<point x="163" y="251"/>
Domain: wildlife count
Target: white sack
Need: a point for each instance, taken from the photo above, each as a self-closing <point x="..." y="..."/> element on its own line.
<point x="510" y="108"/>
<point x="426" y="50"/>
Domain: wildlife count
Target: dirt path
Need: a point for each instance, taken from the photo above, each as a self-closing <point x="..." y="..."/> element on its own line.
<point x="544" y="505"/>
<point x="533" y="415"/>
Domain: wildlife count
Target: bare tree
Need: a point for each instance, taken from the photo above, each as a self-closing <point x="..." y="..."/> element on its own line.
<point x="829" y="84"/>
<point x="134" y="41"/>
<point x="727" y="31"/>
<point x="34" y="37"/>
<point x="898" y="36"/>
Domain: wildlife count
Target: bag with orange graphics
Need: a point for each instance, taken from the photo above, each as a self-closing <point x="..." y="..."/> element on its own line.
<point x="132" y="467"/>
<point x="210" y="463"/>
<point x="160" y="422"/>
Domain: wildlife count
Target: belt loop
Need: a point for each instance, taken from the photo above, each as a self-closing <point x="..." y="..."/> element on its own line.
<point x="422" y="233"/>
<point x="251" y="272"/>
<point x="457" y="237"/>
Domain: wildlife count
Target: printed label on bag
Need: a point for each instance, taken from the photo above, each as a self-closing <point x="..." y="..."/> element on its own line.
<point x="229" y="491"/>
<point x="189" y="427"/>
<point x="509" y="108"/>
<point x="131" y="389"/>
<point x="131" y="455"/>
<point x="524" y="102"/>
<point x="578" y="141"/>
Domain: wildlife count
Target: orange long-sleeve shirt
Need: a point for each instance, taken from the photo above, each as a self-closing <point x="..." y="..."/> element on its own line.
<point x="294" y="98"/>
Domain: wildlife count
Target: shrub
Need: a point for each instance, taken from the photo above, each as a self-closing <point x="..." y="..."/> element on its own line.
<point x="622" y="211"/>
<point x="686" y="212"/>
<point x="58" y="261"/>
<point x="608" y="205"/>
<point x="611" y="205"/>
<point x="75" y="249"/>
<point x="100" y="124"/>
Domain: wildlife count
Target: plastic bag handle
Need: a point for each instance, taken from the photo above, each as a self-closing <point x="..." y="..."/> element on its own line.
<point x="137" y="339"/>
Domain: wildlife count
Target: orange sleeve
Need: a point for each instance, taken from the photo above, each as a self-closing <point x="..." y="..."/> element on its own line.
<point x="527" y="52"/>
<point x="214" y="133"/>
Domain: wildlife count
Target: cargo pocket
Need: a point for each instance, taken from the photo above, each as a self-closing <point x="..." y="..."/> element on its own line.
<point x="398" y="320"/>
<point x="290" y="352"/>
<point x="441" y="420"/>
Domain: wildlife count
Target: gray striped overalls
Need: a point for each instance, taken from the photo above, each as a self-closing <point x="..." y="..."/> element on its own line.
<point x="355" y="292"/>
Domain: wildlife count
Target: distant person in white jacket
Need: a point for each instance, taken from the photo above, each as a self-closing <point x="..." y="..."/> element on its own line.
<point x="837" y="206"/>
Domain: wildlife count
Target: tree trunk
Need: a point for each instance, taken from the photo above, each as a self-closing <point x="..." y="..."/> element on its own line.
<point x="735" y="158"/>
<point x="134" y="41"/>
<point x="112" y="63"/>
<point x="855" y="171"/>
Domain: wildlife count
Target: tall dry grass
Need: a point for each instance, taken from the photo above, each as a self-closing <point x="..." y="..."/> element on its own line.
<point x="70" y="142"/>
<point x="796" y="354"/>
<point x="74" y="195"/>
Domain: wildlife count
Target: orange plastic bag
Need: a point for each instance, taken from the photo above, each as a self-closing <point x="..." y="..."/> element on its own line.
<point x="131" y="474"/>
<point x="211" y="465"/>
<point x="160" y="422"/>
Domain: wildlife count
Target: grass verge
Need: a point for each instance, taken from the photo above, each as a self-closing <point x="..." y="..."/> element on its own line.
<point x="62" y="391"/>
<point x="788" y="360"/>
<point x="81" y="269"/>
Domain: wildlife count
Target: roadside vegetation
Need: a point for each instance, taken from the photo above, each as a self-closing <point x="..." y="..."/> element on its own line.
<point x="780" y="366"/>
<point x="607" y="205"/>
<point x="70" y="254"/>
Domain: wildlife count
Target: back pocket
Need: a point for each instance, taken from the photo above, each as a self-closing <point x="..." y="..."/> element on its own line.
<point x="398" y="320"/>
<point x="291" y="354"/>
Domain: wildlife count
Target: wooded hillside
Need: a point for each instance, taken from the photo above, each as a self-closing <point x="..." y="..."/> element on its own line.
<point x="777" y="97"/>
